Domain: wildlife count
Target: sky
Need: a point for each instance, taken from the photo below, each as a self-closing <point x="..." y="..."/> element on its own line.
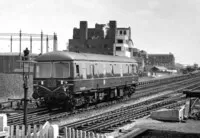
<point x="157" y="26"/>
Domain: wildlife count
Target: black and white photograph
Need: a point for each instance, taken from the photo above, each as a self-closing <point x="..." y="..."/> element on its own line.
<point x="99" y="69"/>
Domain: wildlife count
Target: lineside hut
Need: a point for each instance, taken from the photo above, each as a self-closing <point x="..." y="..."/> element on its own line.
<point x="158" y="71"/>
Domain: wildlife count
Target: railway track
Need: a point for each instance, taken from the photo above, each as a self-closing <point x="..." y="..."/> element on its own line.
<point x="109" y="121"/>
<point x="42" y="116"/>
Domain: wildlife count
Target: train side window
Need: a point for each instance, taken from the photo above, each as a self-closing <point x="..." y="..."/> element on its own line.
<point x="108" y="70"/>
<point x="117" y="70"/>
<point x="125" y="69"/>
<point x="92" y="70"/>
<point x="112" y="70"/>
<point x="121" y="70"/>
<point x="100" y="68"/>
<point x="131" y="69"/>
<point x="134" y="69"/>
<point x="89" y="70"/>
<point x="84" y="70"/>
<point x="77" y="70"/>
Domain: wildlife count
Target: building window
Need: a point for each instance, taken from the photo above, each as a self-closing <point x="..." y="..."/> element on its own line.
<point x="120" y="32"/>
<point x="118" y="48"/>
<point x="125" y="32"/>
<point x="119" y="41"/>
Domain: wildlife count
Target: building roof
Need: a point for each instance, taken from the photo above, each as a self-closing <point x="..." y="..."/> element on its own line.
<point x="69" y="56"/>
<point x="161" y="68"/>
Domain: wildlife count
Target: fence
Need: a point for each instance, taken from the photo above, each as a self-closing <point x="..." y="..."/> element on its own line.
<point x="42" y="131"/>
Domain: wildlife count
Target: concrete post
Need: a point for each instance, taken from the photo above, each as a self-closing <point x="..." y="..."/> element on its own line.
<point x="20" y="42"/>
<point x="41" y="42"/>
<point x="31" y="49"/>
<point x="11" y="44"/>
<point x="47" y="44"/>
<point x="55" y="42"/>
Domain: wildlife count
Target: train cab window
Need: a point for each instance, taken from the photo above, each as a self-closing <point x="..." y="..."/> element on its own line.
<point x="61" y="70"/>
<point x="43" y="70"/>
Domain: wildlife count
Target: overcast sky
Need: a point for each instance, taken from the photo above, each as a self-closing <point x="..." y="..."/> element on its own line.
<point x="158" y="26"/>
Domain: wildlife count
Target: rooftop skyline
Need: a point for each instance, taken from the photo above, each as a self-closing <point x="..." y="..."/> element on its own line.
<point x="157" y="26"/>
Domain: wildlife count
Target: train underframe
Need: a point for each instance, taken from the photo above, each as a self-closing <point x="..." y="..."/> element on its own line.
<point x="83" y="99"/>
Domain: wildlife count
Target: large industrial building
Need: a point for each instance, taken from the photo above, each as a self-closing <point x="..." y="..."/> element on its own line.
<point x="165" y="60"/>
<point x="103" y="39"/>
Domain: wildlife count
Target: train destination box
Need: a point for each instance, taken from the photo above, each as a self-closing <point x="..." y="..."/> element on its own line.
<point x="168" y="114"/>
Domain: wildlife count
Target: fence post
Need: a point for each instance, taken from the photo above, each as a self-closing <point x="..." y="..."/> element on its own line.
<point x="11" y="131"/>
<point x="17" y="130"/>
<point x="69" y="132"/>
<point x="53" y="131"/>
<point x="73" y="133"/>
<point x="92" y="135"/>
<point x="65" y="132"/>
<point x="81" y="134"/>
<point x="84" y="134"/>
<point x="29" y="130"/>
<point x="77" y="133"/>
<point x="89" y="134"/>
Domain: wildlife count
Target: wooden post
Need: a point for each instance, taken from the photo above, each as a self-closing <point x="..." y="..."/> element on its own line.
<point x="73" y="133"/>
<point x="84" y="134"/>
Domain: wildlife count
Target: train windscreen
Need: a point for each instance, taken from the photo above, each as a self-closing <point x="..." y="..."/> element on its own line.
<point x="61" y="70"/>
<point x="43" y="70"/>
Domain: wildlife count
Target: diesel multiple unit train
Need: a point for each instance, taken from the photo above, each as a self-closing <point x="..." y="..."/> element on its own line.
<point x="69" y="79"/>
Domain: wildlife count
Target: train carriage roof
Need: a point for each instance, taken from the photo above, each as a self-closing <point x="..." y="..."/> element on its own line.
<point x="73" y="56"/>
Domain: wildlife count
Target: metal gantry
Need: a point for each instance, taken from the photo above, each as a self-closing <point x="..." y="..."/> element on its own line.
<point x="30" y="37"/>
